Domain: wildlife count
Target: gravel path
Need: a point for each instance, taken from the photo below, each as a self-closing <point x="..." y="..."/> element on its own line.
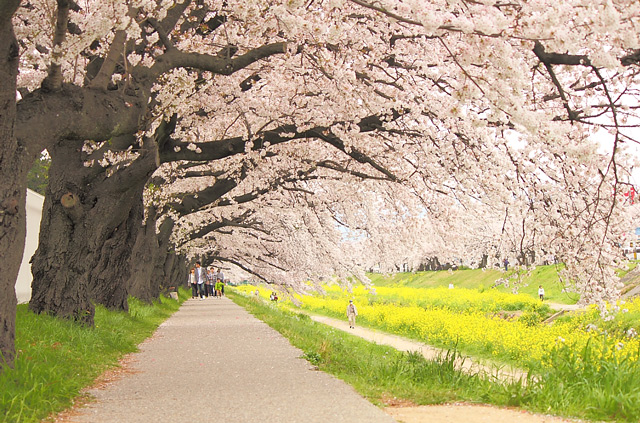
<point x="469" y="365"/>
<point x="213" y="362"/>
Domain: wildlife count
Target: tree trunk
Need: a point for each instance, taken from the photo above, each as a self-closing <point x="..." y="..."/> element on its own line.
<point x="109" y="279"/>
<point x="160" y="278"/>
<point x="85" y="214"/>
<point x="13" y="174"/>
<point x="149" y="277"/>
<point x="143" y="257"/>
<point x="179" y="271"/>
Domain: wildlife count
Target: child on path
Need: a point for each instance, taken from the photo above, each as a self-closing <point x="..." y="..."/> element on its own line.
<point x="352" y="312"/>
<point x="219" y="288"/>
<point x="541" y="293"/>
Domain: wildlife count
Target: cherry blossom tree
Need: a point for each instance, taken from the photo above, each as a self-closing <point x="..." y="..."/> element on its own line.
<point x="451" y="109"/>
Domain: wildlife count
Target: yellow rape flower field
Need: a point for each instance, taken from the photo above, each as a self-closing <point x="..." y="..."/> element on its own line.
<point x="583" y="363"/>
<point x="501" y="326"/>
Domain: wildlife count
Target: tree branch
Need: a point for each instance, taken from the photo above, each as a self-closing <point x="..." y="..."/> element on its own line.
<point x="164" y="37"/>
<point x="560" y="59"/>
<point x="236" y="222"/>
<point x="115" y="54"/>
<point x="53" y="81"/>
<point x="240" y="265"/>
<point x="209" y="195"/>
<point x="218" y="65"/>
<point x="215" y="150"/>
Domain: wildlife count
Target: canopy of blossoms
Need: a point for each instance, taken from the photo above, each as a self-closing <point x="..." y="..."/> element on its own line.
<point x="355" y="133"/>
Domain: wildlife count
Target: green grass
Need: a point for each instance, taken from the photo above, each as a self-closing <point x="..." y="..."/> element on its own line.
<point x="570" y="386"/>
<point x="482" y="280"/>
<point x="56" y="358"/>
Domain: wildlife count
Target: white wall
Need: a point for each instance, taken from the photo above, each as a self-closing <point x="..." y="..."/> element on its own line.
<point x="34" y="214"/>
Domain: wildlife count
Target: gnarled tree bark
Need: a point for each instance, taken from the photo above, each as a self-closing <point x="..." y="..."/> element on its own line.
<point x="13" y="172"/>
<point x="86" y="214"/>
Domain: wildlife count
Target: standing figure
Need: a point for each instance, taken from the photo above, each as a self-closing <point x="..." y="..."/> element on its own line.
<point x="192" y="282"/>
<point x="541" y="293"/>
<point x="506" y="264"/>
<point x="209" y="282"/>
<point x="352" y="312"/>
<point x="200" y="280"/>
<point x="220" y="276"/>
<point x="219" y="288"/>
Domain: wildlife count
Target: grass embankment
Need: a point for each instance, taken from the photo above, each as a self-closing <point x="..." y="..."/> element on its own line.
<point x="483" y="280"/>
<point x="57" y="358"/>
<point x="585" y="366"/>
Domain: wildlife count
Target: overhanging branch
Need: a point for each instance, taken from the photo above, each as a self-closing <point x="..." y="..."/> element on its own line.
<point x="174" y="58"/>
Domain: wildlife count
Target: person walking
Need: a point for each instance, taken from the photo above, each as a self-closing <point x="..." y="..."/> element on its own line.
<point x="192" y="282"/>
<point x="541" y="293"/>
<point x="200" y="280"/>
<point x="211" y="280"/>
<point x="352" y="312"/>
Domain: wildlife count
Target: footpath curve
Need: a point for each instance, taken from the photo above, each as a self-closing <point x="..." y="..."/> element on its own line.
<point x="469" y="365"/>
<point x="214" y="362"/>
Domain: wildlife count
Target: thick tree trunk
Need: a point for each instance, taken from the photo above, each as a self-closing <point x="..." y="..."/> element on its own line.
<point x="176" y="279"/>
<point x="109" y="279"/>
<point x="148" y="276"/>
<point x="179" y="270"/>
<point x="13" y="191"/>
<point x="60" y="265"/>
<point x="143" y="258"/>
<point x="160" y="277"/>
<point x="85" y="214"/>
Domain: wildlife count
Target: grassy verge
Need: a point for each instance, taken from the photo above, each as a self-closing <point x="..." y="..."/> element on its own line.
<point x="570" y="386"/>
<point x="57" y="358"/>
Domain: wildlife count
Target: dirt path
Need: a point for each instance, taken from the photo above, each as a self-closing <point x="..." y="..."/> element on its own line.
<point x="565" y="307"/>
<point x="469" y="365"/>
<point x="448" y="413"/>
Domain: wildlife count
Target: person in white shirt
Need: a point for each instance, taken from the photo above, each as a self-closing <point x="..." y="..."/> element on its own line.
<point x="200" y="280"/>
<point x="352" y="312"/>
<point x="541" y="293"/>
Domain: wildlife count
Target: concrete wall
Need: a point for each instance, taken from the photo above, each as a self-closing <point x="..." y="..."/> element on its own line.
<point x="34" y="214"/>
